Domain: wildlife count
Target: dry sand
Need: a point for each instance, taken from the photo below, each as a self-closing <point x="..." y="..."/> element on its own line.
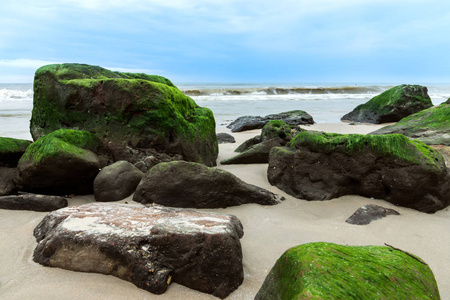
<point x="268" y="232"/>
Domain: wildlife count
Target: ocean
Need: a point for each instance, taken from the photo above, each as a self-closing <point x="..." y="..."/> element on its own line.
<point x="326" y="103"/>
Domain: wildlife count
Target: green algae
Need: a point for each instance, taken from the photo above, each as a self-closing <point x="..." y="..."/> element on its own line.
<point x="9" y="145"/>
<point x="60" y="142"/>
<point x="276" y="128"/>
<point x="331" y="271"/>
<point x="398" y="95"/>
<point x="394" y="145"/>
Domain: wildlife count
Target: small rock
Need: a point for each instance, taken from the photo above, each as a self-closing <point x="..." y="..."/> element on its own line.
<point x="32" y="202"/>
<point x="368" y="213"/>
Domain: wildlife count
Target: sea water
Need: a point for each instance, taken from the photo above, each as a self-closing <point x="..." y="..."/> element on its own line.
<point x="326" y="103"/>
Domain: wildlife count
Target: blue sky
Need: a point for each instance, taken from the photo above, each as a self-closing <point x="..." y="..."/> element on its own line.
<point x="291" y="41"/>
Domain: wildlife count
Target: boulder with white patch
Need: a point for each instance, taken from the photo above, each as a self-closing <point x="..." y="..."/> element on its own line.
<point x="148" y="246"/>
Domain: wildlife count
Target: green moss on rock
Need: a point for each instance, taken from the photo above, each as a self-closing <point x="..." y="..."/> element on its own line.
<point x="61" y="142"/>
<point x="392" y="105"/>
<point x="394" y="145"/>
<point x="331" y="271"/>
<point x="11" y="150"/>
<point x="137" y="110"/>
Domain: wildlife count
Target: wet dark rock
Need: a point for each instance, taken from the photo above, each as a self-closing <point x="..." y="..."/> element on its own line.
<point x="11" y="150"/>
<point x="248" y="143"/>
<point x="7" y="181"/>
<point x="391" y="105"/>
<point x="224" y="138"/>
<point x="32" y="202"/>
<point x="391" y="167"/>
<point x="295" y="117"/>
<point x="148" y="246"/>
<point x="187" y="184"/>
<point x="117" y="181"/>
<point x="368" y="213"/>
<point x="256" y="154"/>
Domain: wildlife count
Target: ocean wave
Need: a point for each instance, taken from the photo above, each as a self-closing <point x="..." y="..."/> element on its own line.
<point x="285" y="91"/>
<point x="15" y="95"/>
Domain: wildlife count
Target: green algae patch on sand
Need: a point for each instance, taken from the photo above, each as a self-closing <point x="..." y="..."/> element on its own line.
<point x="61" y="142"/>
<point x="396" y="146"/>
<point x="330" y="271"/>
<point x="392" y="105"/>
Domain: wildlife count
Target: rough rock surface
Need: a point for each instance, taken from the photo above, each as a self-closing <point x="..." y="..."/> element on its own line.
<point x="391" y="167"/>
<point x="32" y="202"/>
<point x="11" y="150"/>
<point x="256" y="154"/>
<point x="248" y="143"/>
<point x="431" y="126"/>
<point x="63" y="162"/>
<point x="125" y="110"/>
<point x="391" y="105"/>
<point x="368" y="213"/>
<point x="7" y="181"/>
<point x="224" y="138"/>
<point x="117" y="181"/>
<point x="330" y="271"/>
<point x="187" y="184"/>
<point x="148" y="246"/>
<point x="295" y="117"/>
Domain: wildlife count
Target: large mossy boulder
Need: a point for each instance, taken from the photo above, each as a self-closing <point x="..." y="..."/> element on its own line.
<point x="391" y="105"/>
<point x="321" y="166"/>
<point x="431" y="126"/>
<point x="331" y="271"/>
<point x="129" y="112"/>
<point x="193" y="185"/>
<point x="62" y="162"/>
<point x="11" y="150"/>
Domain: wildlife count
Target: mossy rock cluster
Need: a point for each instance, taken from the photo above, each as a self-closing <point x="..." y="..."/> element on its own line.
<point x="323" y="166"/>
<point x="129" y="112"/>
<point x="11" y="150"/>
<point x="431" y="126"/>
<point x="331" y="271"/>
<point x="62" y="162"/>
<point x="391" y="105"/>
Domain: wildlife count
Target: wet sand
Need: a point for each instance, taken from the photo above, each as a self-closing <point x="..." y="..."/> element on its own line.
<point x="268" y="232"/>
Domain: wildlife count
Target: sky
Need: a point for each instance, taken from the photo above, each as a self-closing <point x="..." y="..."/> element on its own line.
<point x="193" y="41"/>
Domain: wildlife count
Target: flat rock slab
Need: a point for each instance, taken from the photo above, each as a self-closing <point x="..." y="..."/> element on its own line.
<point x="148" y="246"/>
<point x="368" y="213"/>
<point x="32" y="202"/>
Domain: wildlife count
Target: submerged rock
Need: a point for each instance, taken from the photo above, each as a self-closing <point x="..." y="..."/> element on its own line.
<point x="11" y="150"/>
<point x="131" y="113"/>
<point x="117" y="181"/>
<point x="331" y="271"/>
<point x="32" y="202"/>
<point x="187" y="184"/>
<point x="391" y="105"/>
<point x="148" y="246"/>
<point x="431" y="126"/>
<point x="61" y="163"/>
<point x="368" y="213"/>
<point x="321" y="166"/>
<point x="295" y="117"/>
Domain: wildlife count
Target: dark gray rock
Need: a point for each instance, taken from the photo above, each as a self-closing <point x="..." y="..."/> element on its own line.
<point x="7" y="181"/>
<point x="368" y="213"/>
<point x="63" y="162"/>
<point x="391" y="105"/>
<point x="224" y="138"/>
<point x="185" y="184"/>
<point x="391" y="167"/>
<point x="295" y="117"/>
<point x="32" y="202"/>
<point x="11" y="150"/>
<point x="256" y="154"/>
<point x="248" y="143"/>
<point x="148" y="246"/>
<point x="117" y="181"/>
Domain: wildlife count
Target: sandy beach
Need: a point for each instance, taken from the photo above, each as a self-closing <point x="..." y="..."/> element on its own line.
<point x="268" y="232"/>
